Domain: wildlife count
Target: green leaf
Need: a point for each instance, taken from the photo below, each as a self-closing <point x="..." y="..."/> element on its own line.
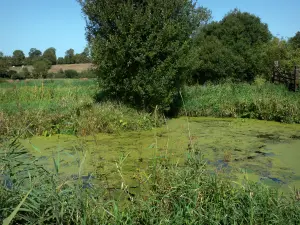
<point x="8" y="220"/>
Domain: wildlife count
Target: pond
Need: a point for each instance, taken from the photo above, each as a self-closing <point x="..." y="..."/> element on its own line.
<point x="261" y="151"/>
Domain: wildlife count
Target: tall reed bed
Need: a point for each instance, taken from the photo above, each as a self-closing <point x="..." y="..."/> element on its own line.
<point x="263" y="101"/>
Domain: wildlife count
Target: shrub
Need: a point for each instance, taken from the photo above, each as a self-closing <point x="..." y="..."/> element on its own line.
<point x="88" y="74"/>
<point x="140" y="47"/>
<point x="18" y="76"/>
<point x="71" y="73"/>
<point x="40" y="68"/>
<point x="12" y="73"/>
<point x="25" y="73"/>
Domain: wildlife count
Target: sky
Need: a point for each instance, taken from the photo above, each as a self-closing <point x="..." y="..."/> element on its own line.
<point x="41" y="24"/>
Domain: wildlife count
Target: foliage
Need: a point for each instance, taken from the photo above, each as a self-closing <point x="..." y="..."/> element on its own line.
<point x="60" y="60"/>
<point x="70" y="56"/>
<point x="26" y="73"/>
<point x="140" y="47"/>
<point x="233" y="47"/>
<point x="50" y="55"/>
<point x="176" y="194"/>
<point x="211" y="60"/>
<point x="4" y="67"/>
<point x="34" y="53"/>
<point x="64" y="107"/>
<point x="282" y="51"/>
<point x="295" y="41"/>
<point x="88" y="74"/>
<point x="40" y="68"/>
<point x="262" y="101"/>
<point x="18" y="58"/>
<point x="71" y="73"/>
<point x="11" y="74"/>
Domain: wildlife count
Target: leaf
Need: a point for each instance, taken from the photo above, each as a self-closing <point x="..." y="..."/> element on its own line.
<point x="8" y="220"/>
<point x="35" y="148"/>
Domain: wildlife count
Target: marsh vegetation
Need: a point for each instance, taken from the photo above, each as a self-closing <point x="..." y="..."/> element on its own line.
<point x="181" y="126"/>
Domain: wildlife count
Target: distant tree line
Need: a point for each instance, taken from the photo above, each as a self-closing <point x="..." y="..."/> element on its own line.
<point x="145" y="51"/>
<point x="41" y="62"/>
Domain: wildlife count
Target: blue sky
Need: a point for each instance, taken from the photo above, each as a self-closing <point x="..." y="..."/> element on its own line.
<point x="41" y="24"/>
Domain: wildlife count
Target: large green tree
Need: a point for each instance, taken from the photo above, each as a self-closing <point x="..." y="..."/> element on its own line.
<point x="140" y="46"/>
<point x="18" y="58"/>
<point x="50" y="55"/>
<point x="241" y="38"/>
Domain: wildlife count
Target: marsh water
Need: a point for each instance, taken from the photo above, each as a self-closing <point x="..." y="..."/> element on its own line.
<point x="261" y="151"/>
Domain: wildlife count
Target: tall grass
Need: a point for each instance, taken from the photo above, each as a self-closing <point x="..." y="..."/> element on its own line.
<point x="258" y="101"/>
<point x="186" y="194"/>
<point x="63" y="106"/>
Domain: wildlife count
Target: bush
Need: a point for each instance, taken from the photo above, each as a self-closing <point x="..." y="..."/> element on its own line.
<point x="18" y="76"/>
<point x="11" y="74"/>
<point x="140" y="49"/>
<point x="71" y="73"/>
<point x="25" y="73"/>
<point x="88" y="74"/>
<point x="40" y="68"/>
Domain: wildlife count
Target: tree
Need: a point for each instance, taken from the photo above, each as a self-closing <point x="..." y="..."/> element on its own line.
<point x="70" y="56"/>
<point x="40" y="68"/>
<point x="4" y="67"/>
<point x="60" y="60"/>
<point x="295" y="41"/>
<point x="34" y="53"/>
<point x="18" y="58"/>
<point x="212" y="60"/>
<point x="140" y="47"/>
<point x="50" y="55"/>
<point x="1" y="55"/>
<point x="245" y="35"/>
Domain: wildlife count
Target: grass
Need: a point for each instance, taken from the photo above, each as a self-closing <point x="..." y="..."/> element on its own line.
<point x="49" y="107"/>
<point x="258" y="101"/>
<point x="185" y="194"/>
<point x="69" y="106"/>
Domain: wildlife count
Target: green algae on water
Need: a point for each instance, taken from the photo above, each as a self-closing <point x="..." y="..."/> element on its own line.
<point x="261" y="151"/>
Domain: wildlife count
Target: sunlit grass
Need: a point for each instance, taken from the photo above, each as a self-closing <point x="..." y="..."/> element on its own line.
<point x="266" y="101"/>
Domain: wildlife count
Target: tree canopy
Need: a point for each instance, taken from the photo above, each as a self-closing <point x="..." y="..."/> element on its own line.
<point x="233" y="47"/>
<point x="34" y="53"/>
<point x="18" y="58"/>
<point x="50" y="55"/>
<point x="140" y="47"/>
<point x="295" y="41"/>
